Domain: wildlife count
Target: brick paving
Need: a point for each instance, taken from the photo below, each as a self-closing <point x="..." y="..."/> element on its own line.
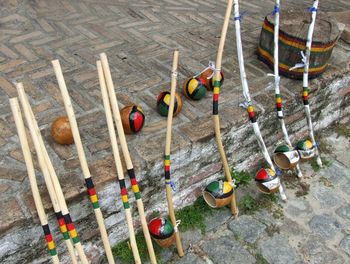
<point x="139" y="38"/>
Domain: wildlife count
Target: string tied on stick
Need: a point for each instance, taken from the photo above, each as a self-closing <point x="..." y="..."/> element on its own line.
<point x="211" y="65"/>
<point x="241" y="15"/>
<point x="233" y="183"/>
<point x="178" y="222"/>
<point x="174" y="73"/>
<point x="300" y="65"/>
<point x="276" y="9"/>
<point x="172" y="185"/>
<point x="312" y="9"/>
<point x="271" y="84"/>
<point x="244" y="104"/>
<point x="278" y="172"/>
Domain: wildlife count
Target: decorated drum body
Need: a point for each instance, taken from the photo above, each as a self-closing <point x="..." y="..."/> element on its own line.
<point x="163" y="102"/>
<point x="218" y="194"/>
<point x="208" y="78"/>
<point x="267" y="181"/>
<point x="61" y="131"/>
<point x="133" y="118"/>
<point x="285" y="157"/>
<point x="292" y="41"/>
<point x="305" y="149"/>
<point x="194" y="88"/>
<point x="162" y="231"/>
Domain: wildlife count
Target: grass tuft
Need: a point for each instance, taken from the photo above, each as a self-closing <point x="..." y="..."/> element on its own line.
<point x="316" y="168"/>
<point x="193" y="216"/>
<point x="123" y="252"/>
<point x="241" y="177"/>
<point x="260" y="259"/>
<point x="247" y="204"/>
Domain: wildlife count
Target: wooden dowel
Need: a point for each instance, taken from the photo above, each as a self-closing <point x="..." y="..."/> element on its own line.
<point x="40" y="148"/>
<point x="169" y="193"/>
<point x="129" y="166"/>
<point x="47" y="177"/>
<point x="32" y="178"/>
<point x="120" y="172"/>
<point x="216" y="119"/>
<point x="83" y="163"/>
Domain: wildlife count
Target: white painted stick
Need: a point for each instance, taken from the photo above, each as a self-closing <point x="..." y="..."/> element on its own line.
<point x="81" y="154"/>
<point x="246" y="92"/>
<point x="129" y="166"/>
<point x="306" y="78"/>
<point x="31" y="172"/>
<point x="118" y="163"/>
<point x="277" y="78"/>
<point x="41" y="150"/>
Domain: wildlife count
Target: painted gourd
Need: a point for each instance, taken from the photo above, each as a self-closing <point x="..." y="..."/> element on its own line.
<point x="218" y="194"/>
<point x="162" y="231"/>
<point x="163" y="102"/>
<point x="208" y="78"/>
<point x="194" y="88"/>
<point x="133" y="119"/>
<point x="285" y="157"/>
<point x="61" y="131"/>
<point x="267" y="181"/>
<point x="306" y="149"/>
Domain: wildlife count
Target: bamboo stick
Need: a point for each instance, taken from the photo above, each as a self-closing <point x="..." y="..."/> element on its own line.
<point x="83" y="163"/>
<point x="120" y="172"/>
<point x="129" y="166"/>
<point x="216" y="119"/>
<point x="32" y="179"/>
<point x="169" y="193"/>
<point x="47" y="165"/>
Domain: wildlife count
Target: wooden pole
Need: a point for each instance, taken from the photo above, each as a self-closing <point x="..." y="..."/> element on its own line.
<point x="216" y="119"/>
<point x="120" y="172"/>
<point x="250" y="108"/>
<point x="306" y="89"/>
<point x="47" y="165"/>
<point x="83" y="163"/>
<point x="129" y="166"/>
<point x="32" y="179"/>
<point x="278" y="97"/>
<point x="169" y="193"/>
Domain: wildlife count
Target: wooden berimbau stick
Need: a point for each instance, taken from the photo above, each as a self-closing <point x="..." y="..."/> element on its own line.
<point x="47" y="165"/>
<point x="216" y="92"/>
<point x="83" y="163"/>
<point x="126" y="154"/>
<point x="118" y="163"/>
<point x="47" y="177"/>
<point x="168" y="188"/>
<point x="32" y="179"/>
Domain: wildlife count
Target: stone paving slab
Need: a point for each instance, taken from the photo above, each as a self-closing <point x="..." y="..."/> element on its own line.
<point x="139" y="38"/>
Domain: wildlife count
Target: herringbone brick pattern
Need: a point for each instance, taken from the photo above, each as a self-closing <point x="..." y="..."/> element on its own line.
<point x="139" y="38"/>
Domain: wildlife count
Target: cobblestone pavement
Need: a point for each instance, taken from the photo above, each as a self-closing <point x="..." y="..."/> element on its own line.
<point x="139" y="38"/>
<point x="312" y="227"/>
